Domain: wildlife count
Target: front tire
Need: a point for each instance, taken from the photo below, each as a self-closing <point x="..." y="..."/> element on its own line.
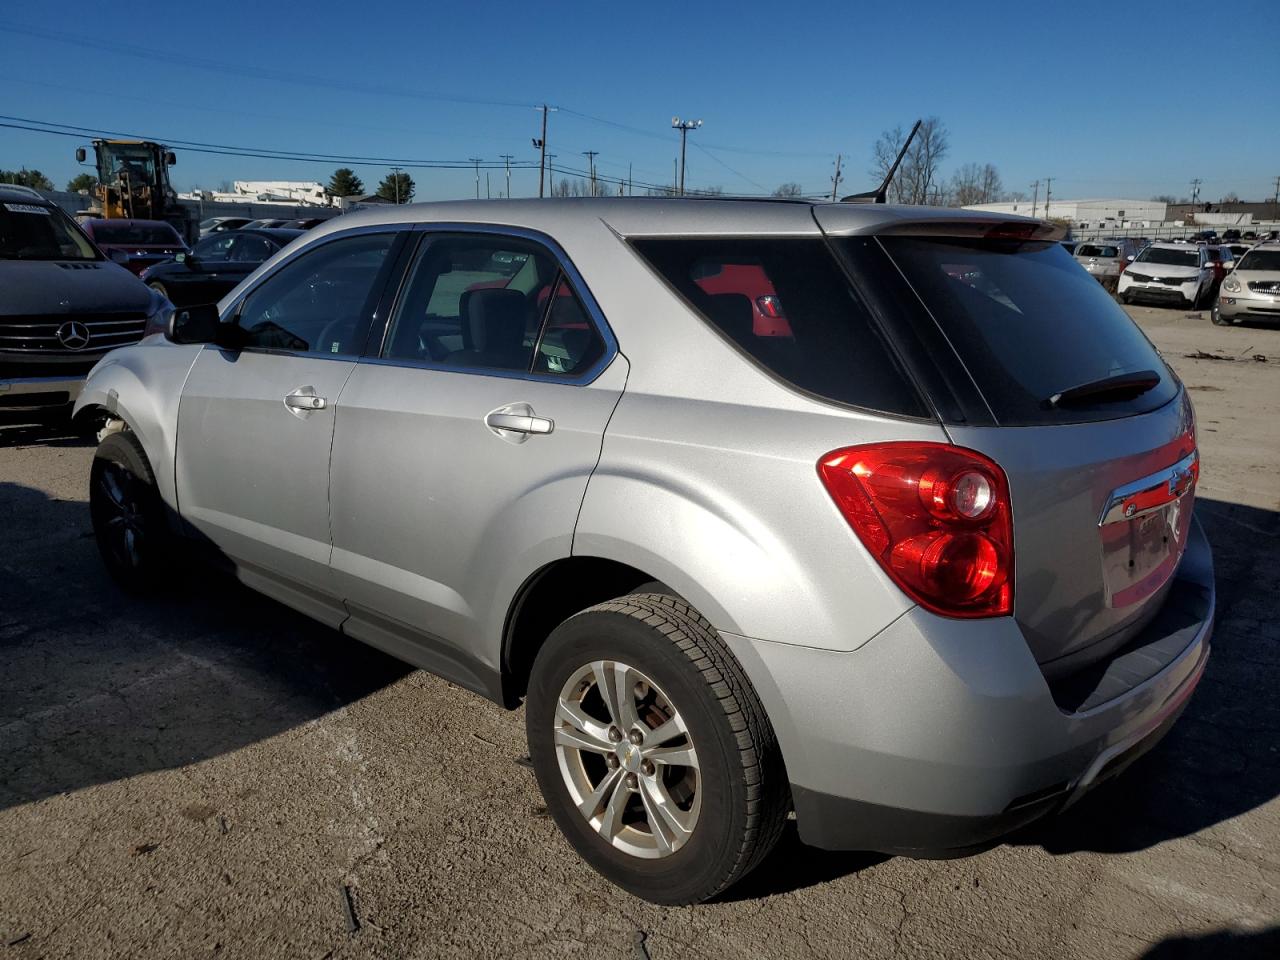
<point x="128" y="515"/>
<point x="653" y="751"/>
<point x="1218" y="319"/>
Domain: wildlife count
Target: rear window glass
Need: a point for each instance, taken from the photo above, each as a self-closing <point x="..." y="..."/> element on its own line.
<point x="143" y="233"/>
<point x="1028" y="324"/>
<point x="788" y="305"/>
<point x="1089" y="250"/>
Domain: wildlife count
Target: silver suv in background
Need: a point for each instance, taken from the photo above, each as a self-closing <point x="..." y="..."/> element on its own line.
<point x="1177" y="274"/>
<point x="1252" y="290"/>
<point x="62" y="305"/>
<point x="878" y="514"/>
<point x="1106" y="259"/>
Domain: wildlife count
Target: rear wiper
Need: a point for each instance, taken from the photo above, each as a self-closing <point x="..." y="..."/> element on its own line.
<point x="1123" y="386"/>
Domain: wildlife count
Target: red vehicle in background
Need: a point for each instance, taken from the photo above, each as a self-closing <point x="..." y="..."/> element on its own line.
<point x="750" y="280"/>
<point x="135" y="244"/>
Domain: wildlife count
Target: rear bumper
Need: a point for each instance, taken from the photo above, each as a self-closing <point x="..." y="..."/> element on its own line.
<point x="939" y="736"/>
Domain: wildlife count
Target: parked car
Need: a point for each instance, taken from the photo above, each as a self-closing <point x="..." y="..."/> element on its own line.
<point x="1231" y="235"/>
<point x="1252" y="289"/>
<point x="305" y="224"/>
<point x="730" y="573"/>
<point x="135" y="244"/>
<point x="1070" y="246"/>
<point x="1221" y="259"/>
<point x="221" y="225"/>
<point x="266" y="224"/>
<point x="63" y="305"/>
<point x="1238" y="250"/>
<point x="1106" y="260"/>
<point x="1177" y="274"/>
<point x="1205" y="236"/>
<point x="215" y="265"/>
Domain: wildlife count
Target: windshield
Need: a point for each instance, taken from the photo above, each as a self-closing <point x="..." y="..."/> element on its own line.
<point x="33" y="231"/>
<point x="1167" y="255"/>
<point x="1260" y="260"/>
<point x="136" y="233"/>
<point x="136" y="164"/>
<point x="1028" y="324"/>
<point x="1089" y="250"/>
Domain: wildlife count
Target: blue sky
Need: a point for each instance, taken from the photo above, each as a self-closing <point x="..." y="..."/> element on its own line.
<point x="1115" y="99"/>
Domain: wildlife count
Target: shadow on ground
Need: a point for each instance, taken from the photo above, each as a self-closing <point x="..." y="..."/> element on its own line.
<point x="1220" y="945"/>
<point x="97" y="686"/>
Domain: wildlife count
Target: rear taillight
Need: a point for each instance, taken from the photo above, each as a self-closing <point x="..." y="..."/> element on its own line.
<point x="937" y="518"/>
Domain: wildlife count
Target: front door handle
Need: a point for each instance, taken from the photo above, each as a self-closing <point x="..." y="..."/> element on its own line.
<point x="516" y="422"/>
<point x="302" y="401"/>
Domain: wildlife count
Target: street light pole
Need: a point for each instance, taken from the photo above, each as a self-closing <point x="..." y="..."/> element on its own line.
<point x="395" y="177"/>
<point x="684" y="126"/>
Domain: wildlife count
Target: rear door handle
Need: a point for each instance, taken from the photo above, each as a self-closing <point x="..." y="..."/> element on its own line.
<point x="517" y="422"/>
<point x="304" y="400"/>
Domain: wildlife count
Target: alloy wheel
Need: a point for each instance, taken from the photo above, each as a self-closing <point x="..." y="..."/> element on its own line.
<point x="627" y="759"/>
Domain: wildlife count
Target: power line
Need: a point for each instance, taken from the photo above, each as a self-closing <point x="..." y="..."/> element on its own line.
<point x="265" y="153"/>
<point x="741" y="176"/>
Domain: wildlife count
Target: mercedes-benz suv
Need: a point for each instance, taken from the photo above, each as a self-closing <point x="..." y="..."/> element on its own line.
<point x="915" y="558"/>
<point x="62" y="304"/>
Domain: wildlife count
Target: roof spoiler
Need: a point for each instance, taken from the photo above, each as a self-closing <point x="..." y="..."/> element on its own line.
<point x="881" y="193"/>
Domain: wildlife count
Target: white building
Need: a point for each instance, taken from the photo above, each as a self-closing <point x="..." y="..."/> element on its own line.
<point x="293" y="193"/>
<point x="1084" y="213"/>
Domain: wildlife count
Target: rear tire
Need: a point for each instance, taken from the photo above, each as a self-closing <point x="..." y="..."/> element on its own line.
<point x="718" y="770"/>
<point x="129" y="516"/>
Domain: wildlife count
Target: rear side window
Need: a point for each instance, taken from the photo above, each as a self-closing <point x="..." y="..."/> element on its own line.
<point x="1029" y="324"/>
<point x="1090" y="250"/>
<point x="787" y="304"/>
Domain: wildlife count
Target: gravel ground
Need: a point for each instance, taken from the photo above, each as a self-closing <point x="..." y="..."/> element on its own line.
<point x="212" y="775"/>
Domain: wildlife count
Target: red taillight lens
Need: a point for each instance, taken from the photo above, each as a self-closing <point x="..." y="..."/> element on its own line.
<point x="937" y="518"/>
<point x="770" y="306"/>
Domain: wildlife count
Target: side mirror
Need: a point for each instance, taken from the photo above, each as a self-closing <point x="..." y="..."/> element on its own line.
<point x="170" y="159"/>
<point x="80" y="154"/>
<point x="201" y="324"/>
<point x="187" y="258"/>
<point x="1130" y="258"/>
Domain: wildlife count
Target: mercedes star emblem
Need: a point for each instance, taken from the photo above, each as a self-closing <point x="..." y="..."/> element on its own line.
<point x="73" y="335"/>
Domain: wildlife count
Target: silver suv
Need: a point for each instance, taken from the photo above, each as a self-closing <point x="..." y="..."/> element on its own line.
<point x="878" y="514"/>
<point x="1252" y="290"/>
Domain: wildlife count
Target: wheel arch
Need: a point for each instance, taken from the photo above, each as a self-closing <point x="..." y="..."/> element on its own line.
<point x="551" y="595"/>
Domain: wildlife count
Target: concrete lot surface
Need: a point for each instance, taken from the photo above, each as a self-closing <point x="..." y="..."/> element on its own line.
<point x="211" y="775"/>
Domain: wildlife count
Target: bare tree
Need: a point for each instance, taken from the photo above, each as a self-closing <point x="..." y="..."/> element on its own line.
<point x="917" y="178"/>
<point x="974" y="183"/>
<point x="789" y="190"/>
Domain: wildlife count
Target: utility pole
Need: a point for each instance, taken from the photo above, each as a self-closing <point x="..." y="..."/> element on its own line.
<point x="1275" y="202"/>
<point x="684" y="126"/>
<point x="1195" y="191"/>
<point x="487" y="194"/>
<point x="631" y="194"/>
<point x="540" y="143"/>
<point x="835" y="181"/>
<point x="1035" y="196"/>
<point x="507" y="157"/>
<point x="395" y="178"/>
<point x="477" y="161"/>
<point x="591" y="167"/>
<point x="1048" y="192"/>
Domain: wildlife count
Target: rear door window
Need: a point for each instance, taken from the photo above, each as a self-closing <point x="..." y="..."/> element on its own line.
<point x="786" y="303"/>
<point x="1028" y="324"/>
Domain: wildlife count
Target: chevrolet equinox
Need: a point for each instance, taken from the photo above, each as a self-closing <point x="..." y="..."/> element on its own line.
<point x="881" y="515"/>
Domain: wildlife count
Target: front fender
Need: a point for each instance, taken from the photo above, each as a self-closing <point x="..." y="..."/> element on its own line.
<point x="142" y="385"/>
